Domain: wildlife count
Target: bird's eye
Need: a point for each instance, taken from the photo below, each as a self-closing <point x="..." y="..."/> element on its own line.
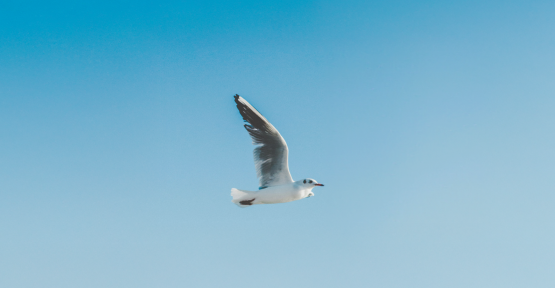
<point x="304" y="181"/>
<point x="310" y="181"/>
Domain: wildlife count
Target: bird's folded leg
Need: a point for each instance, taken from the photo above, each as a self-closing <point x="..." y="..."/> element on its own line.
<point x="247" y="202"/>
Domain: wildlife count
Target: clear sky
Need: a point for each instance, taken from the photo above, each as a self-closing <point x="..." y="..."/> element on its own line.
<point x="431" y="123"/>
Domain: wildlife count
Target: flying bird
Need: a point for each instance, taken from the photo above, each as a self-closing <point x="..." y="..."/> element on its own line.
<point x="270" y="159"/>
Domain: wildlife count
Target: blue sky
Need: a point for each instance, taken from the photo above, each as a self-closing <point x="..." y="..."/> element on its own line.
<point x="430" y="123"/>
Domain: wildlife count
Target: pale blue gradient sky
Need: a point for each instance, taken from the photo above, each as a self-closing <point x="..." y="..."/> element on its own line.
<point x="430" y="123"/>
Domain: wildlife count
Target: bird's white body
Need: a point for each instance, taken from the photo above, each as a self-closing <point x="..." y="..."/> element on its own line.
<point x="272" y="195"/>
<point x="270" y="158"/>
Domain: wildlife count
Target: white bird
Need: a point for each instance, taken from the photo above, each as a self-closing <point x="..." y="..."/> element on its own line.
<point x="270" y="159"/>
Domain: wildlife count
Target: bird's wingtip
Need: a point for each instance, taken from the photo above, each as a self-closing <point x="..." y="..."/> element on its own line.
<point x="236" y="96"/>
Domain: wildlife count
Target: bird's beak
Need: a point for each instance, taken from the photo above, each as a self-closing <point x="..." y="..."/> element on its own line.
<point x="319" y="184"/>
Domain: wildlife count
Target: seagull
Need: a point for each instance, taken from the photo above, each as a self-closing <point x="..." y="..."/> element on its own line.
<point x="270" y="159"/>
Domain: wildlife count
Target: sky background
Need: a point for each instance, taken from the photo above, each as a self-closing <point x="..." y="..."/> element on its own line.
<point x="431" y="124"/>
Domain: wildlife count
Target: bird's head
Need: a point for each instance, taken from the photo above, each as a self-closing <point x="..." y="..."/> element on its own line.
<point x="310" y="183"/>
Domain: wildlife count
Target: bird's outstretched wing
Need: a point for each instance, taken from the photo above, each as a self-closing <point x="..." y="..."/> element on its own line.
<point x="270" y="157"/>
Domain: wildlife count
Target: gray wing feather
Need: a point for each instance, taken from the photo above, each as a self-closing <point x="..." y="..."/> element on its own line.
<point x="270" y="157"/>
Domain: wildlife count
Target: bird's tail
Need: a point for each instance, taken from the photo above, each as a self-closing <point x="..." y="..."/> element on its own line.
<point x="242" y="198"/>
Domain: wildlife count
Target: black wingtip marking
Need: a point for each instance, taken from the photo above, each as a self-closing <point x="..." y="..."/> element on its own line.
<point x="250" y="115"/>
